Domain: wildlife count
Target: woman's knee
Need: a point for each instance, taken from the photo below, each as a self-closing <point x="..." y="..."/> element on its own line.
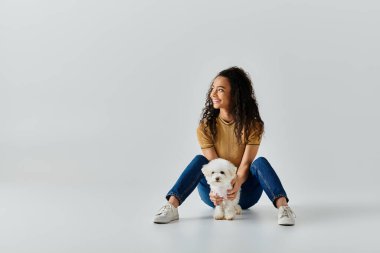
<point x="201" y="157"/>
<point x="259" y="162"/>
<point x="261" y="159"/>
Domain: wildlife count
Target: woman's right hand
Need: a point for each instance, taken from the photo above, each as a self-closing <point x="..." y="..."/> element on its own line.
<point x="217" y="200"/>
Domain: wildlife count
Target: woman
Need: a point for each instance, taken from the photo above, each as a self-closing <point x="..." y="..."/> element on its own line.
<point x="230" y="128"/>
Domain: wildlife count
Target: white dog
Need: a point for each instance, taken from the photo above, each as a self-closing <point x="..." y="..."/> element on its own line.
<point x="219" y="173"/>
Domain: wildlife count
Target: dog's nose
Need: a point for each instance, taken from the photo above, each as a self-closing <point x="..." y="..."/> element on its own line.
<point x="217" y="178"/>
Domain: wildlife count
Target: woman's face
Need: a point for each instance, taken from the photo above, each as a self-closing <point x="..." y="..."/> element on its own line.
<point x="221" y="93"/>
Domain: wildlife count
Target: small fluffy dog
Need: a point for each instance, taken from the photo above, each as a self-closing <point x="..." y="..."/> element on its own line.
<point x="219" y="173"/>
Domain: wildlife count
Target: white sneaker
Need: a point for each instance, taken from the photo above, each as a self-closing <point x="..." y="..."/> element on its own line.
<point x="286" y="216"/>
<point x="166" y="214"/>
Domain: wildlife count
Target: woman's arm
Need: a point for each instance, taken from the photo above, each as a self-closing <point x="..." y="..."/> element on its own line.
<point x="249" y="155"/>
<point x="210" y="153"/>
<point x="242" y="172"/>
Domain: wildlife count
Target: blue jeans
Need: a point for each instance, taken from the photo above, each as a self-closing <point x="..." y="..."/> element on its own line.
<point x="261" y="177"/>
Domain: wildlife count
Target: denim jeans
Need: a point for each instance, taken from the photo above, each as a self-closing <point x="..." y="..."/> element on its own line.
<point x="261" y="177"/>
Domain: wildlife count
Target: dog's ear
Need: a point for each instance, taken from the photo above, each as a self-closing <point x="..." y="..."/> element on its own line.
<point x="232" y="171"/>
<point x="206" y="170"/>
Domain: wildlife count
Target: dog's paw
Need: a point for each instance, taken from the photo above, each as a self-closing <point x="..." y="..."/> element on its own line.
<point x="229" y="216"/>
<point x="218" y="213"/>
<point x="218" y="216"/>
<point x="229" y="213"/>
<point x="238" y="209"/>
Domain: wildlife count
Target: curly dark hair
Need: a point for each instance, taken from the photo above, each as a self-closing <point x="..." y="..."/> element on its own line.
<point x="244" y="106"/>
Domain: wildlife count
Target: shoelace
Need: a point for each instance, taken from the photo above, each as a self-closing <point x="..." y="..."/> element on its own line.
<point x="288" y="212"/>
<point x="164" y="209"/>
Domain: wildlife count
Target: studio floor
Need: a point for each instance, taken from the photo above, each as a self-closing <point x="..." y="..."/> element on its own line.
<point x="109" y="218"/>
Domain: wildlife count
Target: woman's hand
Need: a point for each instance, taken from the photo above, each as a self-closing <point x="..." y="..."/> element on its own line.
<point x="215" y="199"/>
<point x="236" y="184"/>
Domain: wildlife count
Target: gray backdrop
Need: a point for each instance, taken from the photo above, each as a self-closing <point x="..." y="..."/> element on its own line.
<point x="109" y="93"/>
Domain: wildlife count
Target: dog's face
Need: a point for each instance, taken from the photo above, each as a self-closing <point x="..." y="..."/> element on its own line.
<point x="219" y="172"/>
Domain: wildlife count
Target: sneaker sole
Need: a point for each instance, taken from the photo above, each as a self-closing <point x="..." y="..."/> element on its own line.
<point x="165" y="222"/>
<point x="286" y="223"/>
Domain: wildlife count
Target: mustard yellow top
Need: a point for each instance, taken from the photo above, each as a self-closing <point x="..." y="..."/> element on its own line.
<point x="226" y="145"/>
